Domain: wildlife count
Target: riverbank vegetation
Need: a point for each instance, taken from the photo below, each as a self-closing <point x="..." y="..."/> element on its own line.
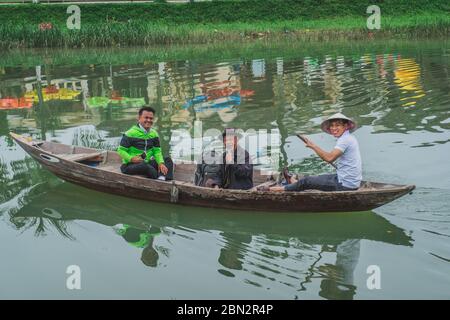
<point x="207" y="22"/>
<point x="213" y="52"/>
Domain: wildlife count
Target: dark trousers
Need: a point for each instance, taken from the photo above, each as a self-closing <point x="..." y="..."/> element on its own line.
<point x="324" y="182"/>
<point x="150" y="170"/>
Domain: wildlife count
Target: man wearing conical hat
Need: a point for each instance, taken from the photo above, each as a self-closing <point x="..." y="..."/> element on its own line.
<point x="348" y="174"/>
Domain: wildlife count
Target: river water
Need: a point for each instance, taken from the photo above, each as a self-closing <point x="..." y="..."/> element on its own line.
<point x="398" y="92"/>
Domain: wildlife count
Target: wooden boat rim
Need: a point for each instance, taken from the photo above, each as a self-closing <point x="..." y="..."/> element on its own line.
<point x="388" y="187"/>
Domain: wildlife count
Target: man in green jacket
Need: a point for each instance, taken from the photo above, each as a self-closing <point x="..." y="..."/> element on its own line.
<point x="141" y="151"/>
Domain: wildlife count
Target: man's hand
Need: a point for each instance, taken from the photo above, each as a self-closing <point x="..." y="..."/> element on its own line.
<point x="308" y="143"/>
<point x="137" y="159"/>
<point x="163" y="169"/>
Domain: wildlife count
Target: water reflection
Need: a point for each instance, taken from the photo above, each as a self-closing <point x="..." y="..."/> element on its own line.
<point x="393" y="92"/>
<point x="143" y="239"/>
<point x="17" y="176"/>
<point x="337" y="279"/>
<point x="233" y="251"/>
<point x="291" y="250"/>
<point x="388" y="91"/>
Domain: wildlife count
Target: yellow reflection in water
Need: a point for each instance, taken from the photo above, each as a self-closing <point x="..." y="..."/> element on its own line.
<point x="407" y="78"/>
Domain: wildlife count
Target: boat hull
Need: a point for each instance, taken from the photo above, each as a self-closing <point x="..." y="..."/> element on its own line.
<point x="184" y="193"/>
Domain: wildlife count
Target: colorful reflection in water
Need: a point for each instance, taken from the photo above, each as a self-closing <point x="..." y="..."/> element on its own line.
<point x="399" y="96"/>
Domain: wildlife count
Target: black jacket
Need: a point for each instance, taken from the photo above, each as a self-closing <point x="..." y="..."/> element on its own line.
<point x="235" y="175"/>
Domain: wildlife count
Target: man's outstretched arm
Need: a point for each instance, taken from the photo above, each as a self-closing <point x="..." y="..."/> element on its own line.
<point x="326" y="156"/>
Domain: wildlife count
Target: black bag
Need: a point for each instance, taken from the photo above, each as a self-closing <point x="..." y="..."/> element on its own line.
<point x="208" y="175"/>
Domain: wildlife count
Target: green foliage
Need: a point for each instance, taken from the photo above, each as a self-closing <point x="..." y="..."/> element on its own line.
<point x="220" y="11"/>
<point x="205" y="22"/>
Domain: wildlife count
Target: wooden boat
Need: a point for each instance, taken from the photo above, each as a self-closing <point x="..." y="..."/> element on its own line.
<point x="100" y="170"/>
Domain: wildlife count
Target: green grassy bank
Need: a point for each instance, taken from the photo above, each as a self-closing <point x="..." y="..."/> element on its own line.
<point x="206" y="22"/>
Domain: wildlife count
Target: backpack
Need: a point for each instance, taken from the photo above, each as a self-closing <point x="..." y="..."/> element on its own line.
<point x="208" y="175"/>
<point x="205" y="172"/>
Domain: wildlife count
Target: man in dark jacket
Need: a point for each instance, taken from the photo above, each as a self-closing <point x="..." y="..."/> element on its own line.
<point x="237" y="168"/>
<point x="235" y="171"/>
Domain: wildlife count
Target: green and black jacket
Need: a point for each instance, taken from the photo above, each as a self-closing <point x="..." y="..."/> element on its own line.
<point x="136" y="141"/>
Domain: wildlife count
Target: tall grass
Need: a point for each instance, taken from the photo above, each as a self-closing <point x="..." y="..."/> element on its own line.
<point x="146" y="33"/>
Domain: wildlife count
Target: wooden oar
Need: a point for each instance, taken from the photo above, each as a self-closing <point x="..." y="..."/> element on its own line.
<point x="301" y="137"/>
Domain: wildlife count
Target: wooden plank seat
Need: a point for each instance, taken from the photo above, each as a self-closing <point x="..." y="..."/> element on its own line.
<point x="95" y="156"/>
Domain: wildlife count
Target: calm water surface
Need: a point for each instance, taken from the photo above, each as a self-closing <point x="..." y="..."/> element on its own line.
<point x="398" y="92"/>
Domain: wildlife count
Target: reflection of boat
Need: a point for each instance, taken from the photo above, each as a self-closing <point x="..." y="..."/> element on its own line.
<point x="97" y="102"/>
<point x="15" y="103"/>
<point x="59" y="204"/>
<point x="217" y="97"/>
<point x="99" y="170"/>
<point x="103" y="102"/>
<point x="407" y="75"/>
<point x="201" y="103"/>
<point x="407" y="78"/>
<point x="53" y="93"/>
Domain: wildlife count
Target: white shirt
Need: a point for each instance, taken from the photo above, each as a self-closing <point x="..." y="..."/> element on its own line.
<point x="349" y="168"/>
<point x="143" y="129"/>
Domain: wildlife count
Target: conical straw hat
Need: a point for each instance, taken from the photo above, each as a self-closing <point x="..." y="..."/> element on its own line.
<point x="326" y="124"/>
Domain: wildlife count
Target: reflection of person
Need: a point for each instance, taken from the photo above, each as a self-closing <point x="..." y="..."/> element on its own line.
<point x="149" y="255"/>
<point x="331" y="288"/>
<point x="339" y="283"/>
<point x="141" y="151"/>
<point x="348" y="171"/>
<point x="141" y="239"/>
<point x="232" y="254"/>
<point x="235" y="171"/>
